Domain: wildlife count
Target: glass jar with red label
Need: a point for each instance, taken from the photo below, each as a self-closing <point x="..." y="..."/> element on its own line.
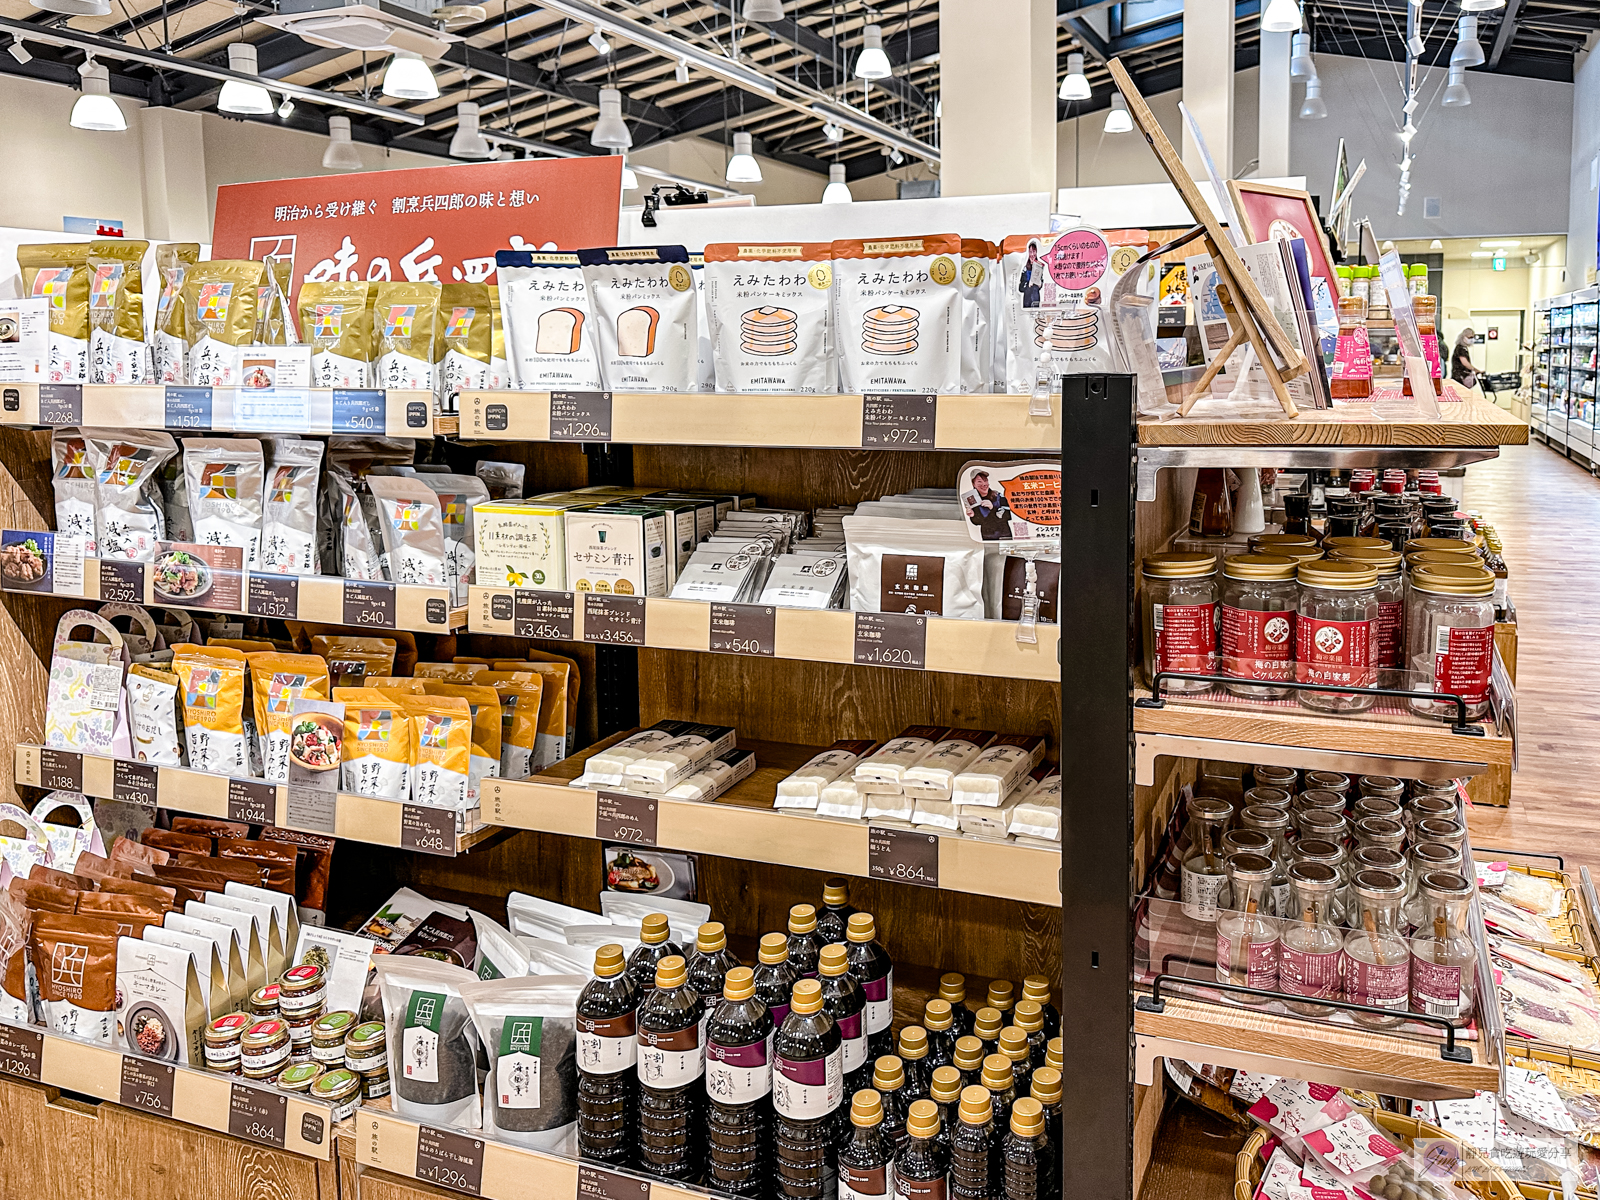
<point x="1259" y="598"/>
<point x="1180" y="618"/>
<point x="1391" y="609"/>
<point x="1450" y="637"/>
<point x="1336" y="633"/>
<point x="1443" y="956"/>
<point x="1377" y="968"/>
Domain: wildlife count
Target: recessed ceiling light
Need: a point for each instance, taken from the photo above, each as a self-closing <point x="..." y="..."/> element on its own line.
<point x="1507" y="243"/>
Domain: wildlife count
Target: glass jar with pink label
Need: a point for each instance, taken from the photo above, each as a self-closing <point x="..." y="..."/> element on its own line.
<point x="1309" y="962"/>
<point x="1450" y="637"/>
<point x="1336" y="633"/>
<point x="1247" y="939"/>
<point x="1391" y="608"/>
<point x="1443" y="957"/>
<point x="1377" y="968"/>
<point x="1180" y="618"/>
<point x="1259" y="598"/>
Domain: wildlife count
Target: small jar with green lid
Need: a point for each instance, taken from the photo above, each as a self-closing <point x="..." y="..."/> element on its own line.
<point x="302" y="990"/>
<point x="298" y="1077"/>
<point x="1336" y="633"/>
<point x="1259" y="598"/>
<point x="222" y="1042"/>
<point x="1179" y="605"/>
<point x="340" y="1088"/>
<point x="264" y="1001"/>
<point x="365" y="1047"/>
<point x="327" y="1037"/>
<point x="264" y="1049"/>
<point x="375" y="1084"/>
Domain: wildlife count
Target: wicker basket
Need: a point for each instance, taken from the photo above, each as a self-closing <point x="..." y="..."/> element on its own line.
<point x="1491" y="1182"/>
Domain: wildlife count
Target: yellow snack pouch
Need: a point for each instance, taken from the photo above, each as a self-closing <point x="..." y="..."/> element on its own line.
<point x="404" y="684"/>
<point x="247" y="645"/>
<point x="465" y="340"/>
<point x="219" y="298"/>
<point x="377" y="744"/>
<point x="484" y="702"/>
<point x="58" y="272"/>
<point x="445" y="670"/>
<point x="116" y="312"/>
<point x="352" y="657"/>
<point x="404" y="323"/>
<point x="441" y="749"/>
<point x="277" y="680"/>
<point x="519" y="724"/>
<point x="212" y="682"/>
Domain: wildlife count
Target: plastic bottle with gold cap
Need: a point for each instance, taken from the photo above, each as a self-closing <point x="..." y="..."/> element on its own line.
<point x="1025" y="1154"/>
<point x="846" y="1004"/>
<point x="804" y="944"/>
<point x="1055" y="1054"/>
<point x="835" y="912"/>
<point x="738" y="1088"/>
<point x="1046" y="1089"/>
<point x="944" y="1089"/>
<point x="923" y="1170"/>
<point x="874" y="971"/>
<point x="1015" y="1047"/>
<point x="975" y="1147"/>
<point x="775" y="976"/>
<point x="986" y="1026"/>
<point x="865" y="1162"/>
<point x="807" y="1090"/>
<point x="953" y="988"/>
<point x="711" y="959"/>
<point x="912" y="1047"/>
<point x="608" y="1061"/>
<point x="939" y="1020"/>
<point x="1001" y="1081"/>
<point x="969" y="1060"/>
<point x="1028" y="1016"/>
<point x="655" y="943"/>
<point x="672" y="1062"/>
<point x="889" y="1081"/>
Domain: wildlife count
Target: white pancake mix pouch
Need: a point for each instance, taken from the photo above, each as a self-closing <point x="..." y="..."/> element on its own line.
<point x="771" y="309"/>
<point x="550" y="337"/>
<point x="899" y="314"/>
<point x="1057" y="289"/>
<point x="978" y="259"/>
<point x="643" y="300"/>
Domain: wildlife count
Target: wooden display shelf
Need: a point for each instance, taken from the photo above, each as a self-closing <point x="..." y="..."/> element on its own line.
<point x="742" y="823"/>
<point x="1388" y="1063"/>
<point x="1471" y="423"/>
<point x="369" y="819"/>
<point x="985" y="421"/>
<point x="766" y="631"/>
<point x="226" y="410"/>
<point x="224" y="1103"/>
<point x="323" y="599"/>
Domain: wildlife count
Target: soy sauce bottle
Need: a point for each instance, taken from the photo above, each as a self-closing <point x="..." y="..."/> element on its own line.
<point x="913" y="1050"/>
<point x="1037" y="989"/>
<point x="923" y="1171"/>
<point x="710" y="961"/>
<point x="1002" y="997"/>
<point x="672" y="1061"/>
<point x="939" y="1021"/>
<point x="986" y="1026"/>
<point x="1028" y="1016"/>
<point x="953" y="989"/>
<point x="864" y="1169"/>
<point x="874" y="971"/>
<point x="653" y="946"/>
<point x="1014" y="1047"/>
<point x="1047" y="1091"/>
<point x="888" y="1080"/>
<point x="804" y="944"/>
<point x="998" y="1081"/>
<point x="974" y="1148"/>
<point x="1025" y="1154"/>
<point x="836" y="910"/>
<point x="969" y="1061"/>
<point x="846" y="1004"/>
<point x="944" y="1089"/>
<point x="1053" y="1055"/>
<point x="608" y="1061"/>
<point x="739" y="1088"/>
<point x="775" y="976"/>
<point x="807" y="1090"/>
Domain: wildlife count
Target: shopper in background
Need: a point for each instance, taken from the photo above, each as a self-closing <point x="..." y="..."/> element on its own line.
<point x="1461" y="368"/>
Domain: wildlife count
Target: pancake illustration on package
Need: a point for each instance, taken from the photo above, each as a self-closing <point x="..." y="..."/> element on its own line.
<point x="560" y="331"/>
<point x="890" y="330"/>
<point x="769" y="330"/>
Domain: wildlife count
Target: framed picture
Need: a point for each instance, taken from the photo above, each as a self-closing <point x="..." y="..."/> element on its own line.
<point x="1280" y="213"/>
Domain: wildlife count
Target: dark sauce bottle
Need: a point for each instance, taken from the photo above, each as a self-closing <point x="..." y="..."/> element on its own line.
<point x="974" y="1148"/>
<point x="889" y="1080"/>
<point x="874" y="971"/>
<point x="654" y="944"/>
<point x="671" y="1062"/>
<point x="807" y="1092"/>
<point x="1002" y="997"/>
<point x="864" y="1163"/>
<point x="953" y="988"/>
<point x="1053" y="1054"/>
<point x="739" y="1089"/>
<point x="1014" y="1048"/>
<point x="710" y="961"/>
<point x="846" y="1004"/>
<point x="608" y="1061"/>
<point x="986" y="1026"/>
<point x="1025" y="1154"/>
<point x="1028" y="1016"/>
<point x="923" y="1171"/>
<point x="944" y="1089"/>
<point x="913" y="1050"/>
<point x="1037" y="989"/>
<point x="939" y="1021"/>
<point x="969" y="1061"/>
<point x="804" y="944"/>
<point x="775" y="976"/>
<point x="1047" y="1091"/>
<point x="836" y="910"/>
<point x="998" y="1080"/>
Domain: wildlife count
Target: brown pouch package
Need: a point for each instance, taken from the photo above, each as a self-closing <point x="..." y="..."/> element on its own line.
<point x="43" y="897"/>
<point x="75" y="961"/>
<point x="131" y="913"/>
<point x="314" y="861"/>
<point x="183" y="889"/>
<point x="128" y="850"/>
<point x="210" y="827"/>
<point x="222" y="868"/>
<point x="163" y="898"/>
<point x="276" y="861"/>
<point x="39" y="873"/>
<point x="177" y="843"/>
<point x="92" y="864"/>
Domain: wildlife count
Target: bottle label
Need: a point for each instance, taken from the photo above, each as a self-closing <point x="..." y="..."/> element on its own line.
<point x="1461" y="662"/>
<point x="1309" y="973"/>
<point x="1336" y="652"/>
<point x="738" y="1074"/>
<point x="1430" y="351"/>
<point x="1186" y="637"/>
<point x="1262" y="959"/>
<point x="1200" y="894"/>
<point x="880" y="1002"/>
<point x="608" y="1045"/>
<point x="779" y="1012"/>
<point x="419" y="1043"/>
<point x="805" y="1089"/>
<point x="1379" y="986"/>
<point x="1352" y="355"/>
<point x="1257" y="645"/>
<point x="855" y="1041"/>
<point x="863" y="1183"/>
<point x="1391" y="634"/>
<point x="669" y="1060"/>
<point x="920" y="1189"/>
<point x="1436" y="989"/>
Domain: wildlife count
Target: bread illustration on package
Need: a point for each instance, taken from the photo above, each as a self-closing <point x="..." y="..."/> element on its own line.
<point x="646" y="321"/>
<point x="559" y="331"/>
<point x="636" y="332"/>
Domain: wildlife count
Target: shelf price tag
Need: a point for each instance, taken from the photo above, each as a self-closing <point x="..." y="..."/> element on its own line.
<point x="60" y="770"/>
<point x="357" y="410"/>
<point x="898" y="422"/>
<point x="580" y="416"/>
<point x="269" y="410"/>
<point x="450" y="1160"/>
<point x="369" y="605"/>
<point x="257" y="1114"/>
<point x="903" y="856"/>
<point x="253" y="803"/>
<point x="312" y="808"/>
<point x="122" y="582"/>
<point x="613" y="620"/>
<point x="273" y="596"/>
<point x="596" y="1183"/>
<point x="61" y="404"/>
<point x="743" y="629"/>
<point x="891" y="640"/>
<point x="133" y="782"/>
<point x="21" y="1052"/>
<point x="619" y="817"/>
<point x="147" y="1084"/>
<point x="187" y="407"/>
<point x="428" y="830"/>
<point x="543" y="615"/>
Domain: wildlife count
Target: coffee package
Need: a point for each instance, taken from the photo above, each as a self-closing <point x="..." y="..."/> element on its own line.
<point x="550" y="338"/>
<point x="899" y="314"/>
<point x="643" y="301"/>
<point x="911" y="566"/>
<point x="337" y="320"/>
<point x="405" y="322"/>
<point x="771" y="309"/>
<point x="219" y="298"/>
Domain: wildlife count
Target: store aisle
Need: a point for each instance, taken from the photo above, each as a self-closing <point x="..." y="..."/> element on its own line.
<point x="1548" y="514"/>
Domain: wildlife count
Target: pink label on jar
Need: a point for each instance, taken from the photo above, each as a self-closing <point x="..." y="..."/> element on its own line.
<point x="1430" y="351"/>
<point x="1381" y="986"/>
<point x="1436" y="989"/>
<point x="1262" y="968"/>
<point x="1391" y="634"/>
<point x="1352" y="356"/>
<point x="1257" y="645"/>
<point x="1461" y="663"/>
<point x="1337" y="652"/>
<point x="1186" y="637"/>
<point x="1309" y="973"/>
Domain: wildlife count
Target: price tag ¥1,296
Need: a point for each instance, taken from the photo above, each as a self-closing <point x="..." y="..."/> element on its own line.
<point x="451" y="1160"/>
<point x="580" y="416"/>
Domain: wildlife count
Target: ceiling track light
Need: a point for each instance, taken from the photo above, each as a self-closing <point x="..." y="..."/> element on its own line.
<point x="468" y="142"/>
<point x="341" y="154"/>
<point x="408" y="78"/>
<point x="19" y="52"/>
<point x="286" y="108"/>
<point x="598" y="41"/>
<point x="1300" y="64"/>
<point x="1467" y="52"/>
<point x="743" y="167"/>
<point x="872" y="62"/>
<point x="681" y="71"/>
<point x="1075" y="84"/>
<point x="1117" y="119"/>
<point x="95" y="109"/>
<point x="237" y="96"/>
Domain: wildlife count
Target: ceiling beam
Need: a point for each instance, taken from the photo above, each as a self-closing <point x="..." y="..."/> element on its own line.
<point x="1503" y="36"/>
<point x="520" y="73"/>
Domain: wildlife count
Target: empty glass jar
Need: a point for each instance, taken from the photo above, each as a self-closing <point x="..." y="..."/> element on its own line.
<point x="1205" y="870"/>
<point x="1312" y="946"/>
<point x="1179" y="607"/>
<point x="1336" y="633"/>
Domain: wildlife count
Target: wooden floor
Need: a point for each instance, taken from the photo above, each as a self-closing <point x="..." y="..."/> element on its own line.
<point x="1547" y="512"/>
